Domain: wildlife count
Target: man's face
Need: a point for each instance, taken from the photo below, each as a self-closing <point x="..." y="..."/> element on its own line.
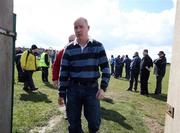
<point x="48" y="52"/>
<point x="35" y="51"/>
<point x="160" y="55"/>
<point x="72" y="38"/>
<point x="81" y="29"/>
<point x="145" y="53"/>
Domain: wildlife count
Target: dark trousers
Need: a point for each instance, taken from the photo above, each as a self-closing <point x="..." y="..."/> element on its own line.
<point x="45" y="74"/>
<point x="158" y="84"/>
<point x="117" y="72"/>
<point x="29" y="83"/>
<point x="83" y="96"/>
<point x="112" y="69"/>
<point x="127" y="72"/>
<point x="20" y="72"/>
<point x="144" y="81"/>
<point x="121" y="70"/>
<point x="133" y="77"/>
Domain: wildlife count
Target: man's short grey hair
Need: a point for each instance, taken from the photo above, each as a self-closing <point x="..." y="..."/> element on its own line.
<point x="82" y="18"/>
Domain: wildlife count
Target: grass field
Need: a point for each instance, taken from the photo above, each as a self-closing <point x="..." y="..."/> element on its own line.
<point x="122" y="111"/>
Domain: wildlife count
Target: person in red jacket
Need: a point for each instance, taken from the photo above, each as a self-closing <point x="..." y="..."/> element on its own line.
<point x="57" y="62"/>
<point x="56" y="68"/>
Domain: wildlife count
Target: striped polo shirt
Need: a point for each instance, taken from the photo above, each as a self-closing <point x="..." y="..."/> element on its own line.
<point x="83" y="64"/>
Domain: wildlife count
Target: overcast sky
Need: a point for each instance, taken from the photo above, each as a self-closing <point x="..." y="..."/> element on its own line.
<point x="123" y="26"/>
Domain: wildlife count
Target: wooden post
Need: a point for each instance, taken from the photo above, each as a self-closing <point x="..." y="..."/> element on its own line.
<point x="172" y="124"/>
<point x="6" y="65"/>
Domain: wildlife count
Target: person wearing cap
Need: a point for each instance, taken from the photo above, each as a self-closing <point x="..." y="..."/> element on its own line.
<point x="134" y="71"/>
<point x="159" y="70"/>
<point x="28" y="65"/>
<point x="79" y="74"/>
<point x="145" y="69"/>
<point x="44" y="63"/>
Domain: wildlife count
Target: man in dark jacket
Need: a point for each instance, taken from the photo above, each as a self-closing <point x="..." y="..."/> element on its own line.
<point x="127" y="62"/>
<point x="117" y="67"/>
<point x="146" y="64"/>
<point x="160" y="70"/>
<point x="134" y="71"/>
<point x="18" y="64"/>
<point x="121" y="65"/>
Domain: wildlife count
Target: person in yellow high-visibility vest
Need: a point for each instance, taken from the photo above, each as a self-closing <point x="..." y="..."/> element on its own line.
<point x="44" y="64"/>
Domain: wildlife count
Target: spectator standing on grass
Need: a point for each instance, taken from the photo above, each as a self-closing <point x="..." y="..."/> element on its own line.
<point x="44" y="63"/>
<point x="18" y="64"/>
<point x="56" y="69"/>
<point x="127" y="62"/>
<point x="53" y="56"/>
<point x="160" y="70"/>
<point x="121" y="65"/>
<point x="146" y="64"/>
<point x="28" y="65"/>
<point x="79" y="73"/>
<point x="57" y="62"/>
<point x="112" y="62"/>
<point x="117" y="67"/>
<point x="134" y="71"/>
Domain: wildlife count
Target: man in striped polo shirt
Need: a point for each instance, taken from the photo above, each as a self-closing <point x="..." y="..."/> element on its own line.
<point x="79" y="75"/>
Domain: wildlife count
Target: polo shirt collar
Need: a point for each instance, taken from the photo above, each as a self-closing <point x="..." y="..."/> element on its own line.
<point x="89" y="40"/>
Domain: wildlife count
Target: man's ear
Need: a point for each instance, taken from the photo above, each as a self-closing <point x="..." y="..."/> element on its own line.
<point x="88" y="27"/>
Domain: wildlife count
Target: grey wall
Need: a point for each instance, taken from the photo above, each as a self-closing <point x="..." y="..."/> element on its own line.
<point x="6" y="47"/>
<point x="172" y="125"/>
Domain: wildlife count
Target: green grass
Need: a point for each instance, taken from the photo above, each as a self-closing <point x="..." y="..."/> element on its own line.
<point x="34" y="109"/>
<point x="122" y="111"/>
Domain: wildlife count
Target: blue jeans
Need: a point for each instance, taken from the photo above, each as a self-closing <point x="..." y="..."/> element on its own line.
<point x="78" y="96"/>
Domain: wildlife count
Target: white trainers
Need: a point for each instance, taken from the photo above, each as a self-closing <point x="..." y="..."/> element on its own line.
<point x="63" y="110"/>
<point x="65" y="115"/>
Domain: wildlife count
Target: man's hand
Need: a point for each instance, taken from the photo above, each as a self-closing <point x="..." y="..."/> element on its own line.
<point x="100" y="94"/>
<point x="61" y="101"/>
<point x="55" y="83"/>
